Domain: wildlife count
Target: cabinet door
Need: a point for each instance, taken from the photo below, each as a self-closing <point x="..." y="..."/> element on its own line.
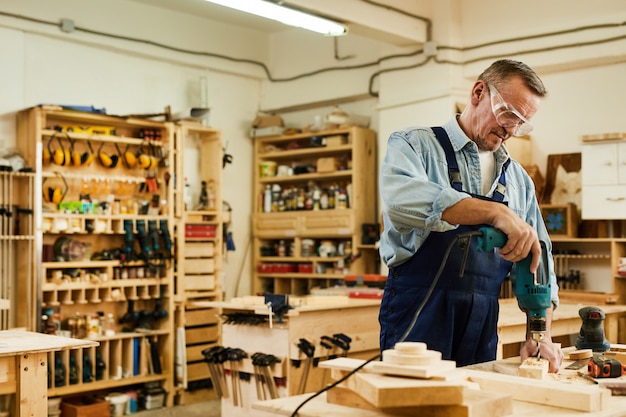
<point x="604" y="202"/>
<point x="599" y="164"/>
<point x="621" y="161"/>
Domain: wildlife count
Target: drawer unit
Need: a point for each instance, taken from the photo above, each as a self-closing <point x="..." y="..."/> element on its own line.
<point x="604" y="180"/>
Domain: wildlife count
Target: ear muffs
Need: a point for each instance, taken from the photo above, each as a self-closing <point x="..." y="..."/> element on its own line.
<point x="60" y="155"/>
<point x="81" y="159"/>
<point x="106" y="160"/>
<point x="55" y="195"/>
<point x="130" y="160"/>
<point x="45" y="156"/>
<point x="145" y="160"/>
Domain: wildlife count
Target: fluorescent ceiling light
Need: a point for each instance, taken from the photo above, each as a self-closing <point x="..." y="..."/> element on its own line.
<point x="285" y="15"/>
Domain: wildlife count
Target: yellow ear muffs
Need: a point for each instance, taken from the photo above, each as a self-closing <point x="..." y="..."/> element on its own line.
<point x="60" y="155"/>
<point x="45" y="156"/>
<point x="145" y="160"/>
<point x="82" y="159"/>
<point x="106" y="160"/>
<point x="55" y="195"/>
<point x="129" y="158"/>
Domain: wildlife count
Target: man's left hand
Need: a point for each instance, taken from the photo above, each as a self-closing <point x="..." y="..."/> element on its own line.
<point x="547" y="350"/>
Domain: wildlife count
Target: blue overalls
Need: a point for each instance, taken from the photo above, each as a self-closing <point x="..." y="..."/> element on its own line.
<point x="460" y="318"/>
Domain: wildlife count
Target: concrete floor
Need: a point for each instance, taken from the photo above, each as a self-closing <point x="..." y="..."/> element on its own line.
<point x="211" y="408"/>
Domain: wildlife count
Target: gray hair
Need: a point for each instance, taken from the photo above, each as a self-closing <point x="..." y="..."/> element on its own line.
<point x="506" y="69"/>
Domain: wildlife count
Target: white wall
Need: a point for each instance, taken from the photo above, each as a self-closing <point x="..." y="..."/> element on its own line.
<point x="41" y="64"/>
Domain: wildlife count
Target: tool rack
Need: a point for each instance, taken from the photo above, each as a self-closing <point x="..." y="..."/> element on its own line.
<point x="106" y="268"/>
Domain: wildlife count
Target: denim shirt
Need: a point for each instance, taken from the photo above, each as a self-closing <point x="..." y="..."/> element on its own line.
<point x="415" y="190"/>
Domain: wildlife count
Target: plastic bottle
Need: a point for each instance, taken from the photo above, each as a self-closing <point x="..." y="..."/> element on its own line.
<point x="109" y="330"/>
<point x="267" y="199"/>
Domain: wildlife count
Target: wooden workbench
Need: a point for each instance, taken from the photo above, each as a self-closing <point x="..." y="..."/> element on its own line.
<point x="565" y="321"/>
<point x="24" y="367"/>
<point x="614" y="406"/>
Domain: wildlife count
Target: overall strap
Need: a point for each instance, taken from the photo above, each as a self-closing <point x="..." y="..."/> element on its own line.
<point x="498" y="194"/>
<point x="453" y="168"/>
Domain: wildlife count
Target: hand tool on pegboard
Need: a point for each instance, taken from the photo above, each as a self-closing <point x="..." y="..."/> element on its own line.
<point x="308" y="349"/>
<point x="215" y="357"/>
<point x="235" y="356"/>
<point x="260" y="391"/>
<point x="342" y="341"/>
<point x="262" y="363"/>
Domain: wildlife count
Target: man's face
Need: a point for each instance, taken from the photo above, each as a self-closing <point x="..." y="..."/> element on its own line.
<point x="489" y="132"/>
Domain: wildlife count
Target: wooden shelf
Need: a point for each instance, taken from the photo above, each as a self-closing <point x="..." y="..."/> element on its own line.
<point x="354" y="153"/>
<point x="48" y="288"/>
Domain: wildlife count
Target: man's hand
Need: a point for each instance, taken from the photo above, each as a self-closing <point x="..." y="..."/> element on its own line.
<point x="521" y="237"/>
<point x="547" y="350"/>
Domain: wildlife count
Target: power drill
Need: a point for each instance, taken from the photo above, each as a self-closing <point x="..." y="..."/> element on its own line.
<point x="532" y="290"/>
<point x="591" y="335"/>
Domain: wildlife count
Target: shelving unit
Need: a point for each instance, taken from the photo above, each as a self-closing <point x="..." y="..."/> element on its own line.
<point x="323" y="187"/>
<point x="17" y="236"/>
<point x="199" y="246"/>
<point x="100" y="240"/>
<point x="597" y="260"/>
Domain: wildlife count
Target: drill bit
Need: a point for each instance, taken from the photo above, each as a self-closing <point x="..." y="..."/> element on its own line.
<point x="538" y="350"/>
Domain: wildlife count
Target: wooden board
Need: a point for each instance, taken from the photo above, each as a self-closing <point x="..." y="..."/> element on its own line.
<point x="475" y="404"/>
<point x="385" y="391"/>
<point x="588" y="398"/>
<point x="603" y="136"/>
<point x="439" y="371"/>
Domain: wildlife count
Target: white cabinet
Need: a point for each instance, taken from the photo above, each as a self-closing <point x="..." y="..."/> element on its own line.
<point x="604" y="180"/>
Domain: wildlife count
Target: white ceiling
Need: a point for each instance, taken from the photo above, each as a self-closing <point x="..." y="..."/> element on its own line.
<point x="363" y="17"/>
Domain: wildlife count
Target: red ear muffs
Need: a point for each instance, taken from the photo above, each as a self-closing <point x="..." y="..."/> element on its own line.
<point x="60" y="155"/>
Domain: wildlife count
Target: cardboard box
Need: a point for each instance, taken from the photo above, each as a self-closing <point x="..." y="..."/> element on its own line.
<point x="267" y="120"/>
<point x="83" y="406"/>
<point x="326" y="165"/>
<point x="336" y="140"/>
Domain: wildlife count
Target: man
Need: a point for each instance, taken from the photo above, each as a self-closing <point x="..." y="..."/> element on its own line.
<point x="437" y="183"/>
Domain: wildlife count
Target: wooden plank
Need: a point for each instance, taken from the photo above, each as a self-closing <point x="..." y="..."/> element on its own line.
<point x="476" y="403"/>
<point x="384" y="391"/>
<point x="435" y="371"/>
<point x="603" y="136"/>
<point x="577" y="397"/>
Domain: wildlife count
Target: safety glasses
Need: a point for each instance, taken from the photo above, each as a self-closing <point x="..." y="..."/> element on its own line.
<point x="506" y="115"/>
